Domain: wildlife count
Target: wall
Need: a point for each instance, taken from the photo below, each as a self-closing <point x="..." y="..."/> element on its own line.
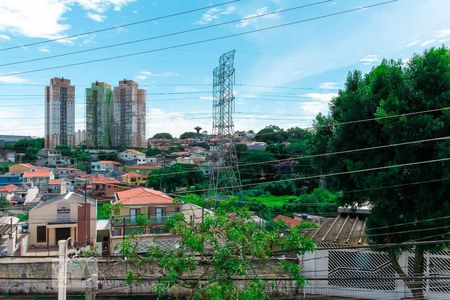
<point x="34" y="276"/>
<point x="369" y="275"/>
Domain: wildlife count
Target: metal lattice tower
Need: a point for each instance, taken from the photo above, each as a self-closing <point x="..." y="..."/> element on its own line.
<point x="224" y="172"/>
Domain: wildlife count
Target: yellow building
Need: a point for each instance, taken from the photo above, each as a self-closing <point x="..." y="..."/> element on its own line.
<point x="62" y="217"/>
<point x="134" y="178"/>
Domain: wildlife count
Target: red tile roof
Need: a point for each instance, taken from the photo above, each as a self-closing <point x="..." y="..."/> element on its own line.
<point x="56" y="182"/>
<point x="143" y="196"/>
<point x="289" y="221"/>
<point x="133" y="175"/>
<point x="8" y="188"/>
<point x="103" y="179"/>
<point x="29" y="174"/>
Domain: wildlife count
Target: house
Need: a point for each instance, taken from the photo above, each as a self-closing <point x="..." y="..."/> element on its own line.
<point x="105" y="166"/>
<point x="52" y="158"/>
<point x="38" y="178"/>
<point x="133" y="178"/>
<point x="61" y="217"/>
<point x="103" y="187"/>
<point x="69" y="173"/>
<point x="7" y="192"/>
<point x="19" y="169"/>
<point x="9" y="236"/>
<point x="6" y="179"/>
<point x="139" y="203"/>
<point x="132" y="157"/>
<point x="143" y="169"/>
<point x="55" y="188"/>
<point x="194" y="214"/>
<point x="287" y="220"/>
<point x="185" y="160"/>
<point x="261" y="146"/>
<point x="25" y="194"/>
<point x="353" y="269"/>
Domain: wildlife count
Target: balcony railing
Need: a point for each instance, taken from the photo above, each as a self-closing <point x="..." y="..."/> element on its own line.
<point x="138" y="220"/>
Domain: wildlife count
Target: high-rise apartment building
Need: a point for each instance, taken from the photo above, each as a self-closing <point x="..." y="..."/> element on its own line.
<point x="59" y="113"/>
<point x="128" y="115"/>
<point x="99" y="115"/>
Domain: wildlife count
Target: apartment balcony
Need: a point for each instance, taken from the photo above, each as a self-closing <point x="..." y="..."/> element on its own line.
<point x="134" y="220"/>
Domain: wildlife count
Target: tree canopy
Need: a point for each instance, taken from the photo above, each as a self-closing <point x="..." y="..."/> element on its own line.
<point x="163" y="135"/>
<point x="190" y="135"/>
<point x="393" y="89"/>
<point x="213" y="253"/>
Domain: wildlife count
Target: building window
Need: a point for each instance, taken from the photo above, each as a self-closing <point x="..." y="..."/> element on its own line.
<point x="41" y="234"/>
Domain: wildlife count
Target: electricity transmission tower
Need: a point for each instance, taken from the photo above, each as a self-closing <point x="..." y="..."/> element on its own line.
<point x="224" y="178"/>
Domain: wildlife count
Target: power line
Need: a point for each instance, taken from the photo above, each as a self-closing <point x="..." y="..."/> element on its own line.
<point x="201" y="41"/>
<point x="119" y="26"/>
<point x="166" y="35"/>
<point x="332" y="174"/>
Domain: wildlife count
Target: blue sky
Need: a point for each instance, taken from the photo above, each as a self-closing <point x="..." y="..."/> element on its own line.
<point x="284" y="76"/>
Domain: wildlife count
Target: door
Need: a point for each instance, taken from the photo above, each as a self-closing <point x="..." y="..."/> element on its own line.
<point x="159" y="214"/>
<point x="134" y="212"/>
<point x="61" y="234"/>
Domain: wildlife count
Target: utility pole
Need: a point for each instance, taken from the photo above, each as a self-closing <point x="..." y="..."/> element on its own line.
<point x="85" y="215"/>
<point x="62" y="268"/>
<point x="224" y="177"/>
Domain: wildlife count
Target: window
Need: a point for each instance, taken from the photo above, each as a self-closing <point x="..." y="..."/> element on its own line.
<point x="41" y="234"/>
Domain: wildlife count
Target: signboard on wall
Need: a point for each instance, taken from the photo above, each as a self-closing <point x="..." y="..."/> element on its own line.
<point x="63" y="212"/>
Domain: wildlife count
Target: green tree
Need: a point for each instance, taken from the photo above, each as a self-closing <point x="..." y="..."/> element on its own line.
<point x="152" y="152"/>
<point x="190" y="135"/>
<point x="30" y="147"/>
<point x="392" y="89"/>
<point x="226" y="246"/>
<point x="65" y="149"/>
<point x="255" y="166"/>
<point x="296" y="133"/>
<point x="271" y="134"/>
<point x="172" y="177"/>
<point x="163" y="135"/>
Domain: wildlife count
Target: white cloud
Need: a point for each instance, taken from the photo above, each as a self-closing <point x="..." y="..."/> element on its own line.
<point x="12" y="79"/>
<point x="327" y="85"/>
<point x="159" y="120"/>
<point x="324" y="97"/>
<point x="4" y="37"/>
<point x="370" y="59"/>
<point x="259" y="11"/>
<point x="214" y="13"/>
<point x="45" y="18"/>
<point x="143" y="75"/>
<point x="44" y="49"/>
<point x="428" y="42"/>
<point x="444" y="33"/>
<point x="440" y="36"/>
<point x="318" y="104"/>
<point x="209" y="98"/>
<point x="96" y="17"/>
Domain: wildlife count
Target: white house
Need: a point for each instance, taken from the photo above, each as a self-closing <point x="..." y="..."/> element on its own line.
<point x="38" y="178"/>
<point x="132" y="156"/>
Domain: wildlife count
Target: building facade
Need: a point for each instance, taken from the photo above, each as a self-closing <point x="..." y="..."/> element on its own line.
<point x="62" y="217"/>
<point x="59" y="113"/>
<point x="129" y="108"/>
<point x="99" y="115"/>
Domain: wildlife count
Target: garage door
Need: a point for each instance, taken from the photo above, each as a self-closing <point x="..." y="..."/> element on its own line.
<point x="62" y="234"/>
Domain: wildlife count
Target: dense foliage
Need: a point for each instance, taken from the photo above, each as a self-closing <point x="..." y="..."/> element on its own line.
<point x="163" y="135"/>
<point x="172" y="177"/>
<point x="393" y="89"/>
<point x="212" y="254"/>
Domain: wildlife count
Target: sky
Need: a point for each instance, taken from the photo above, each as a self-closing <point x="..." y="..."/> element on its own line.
<point x="284" y="76"/>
